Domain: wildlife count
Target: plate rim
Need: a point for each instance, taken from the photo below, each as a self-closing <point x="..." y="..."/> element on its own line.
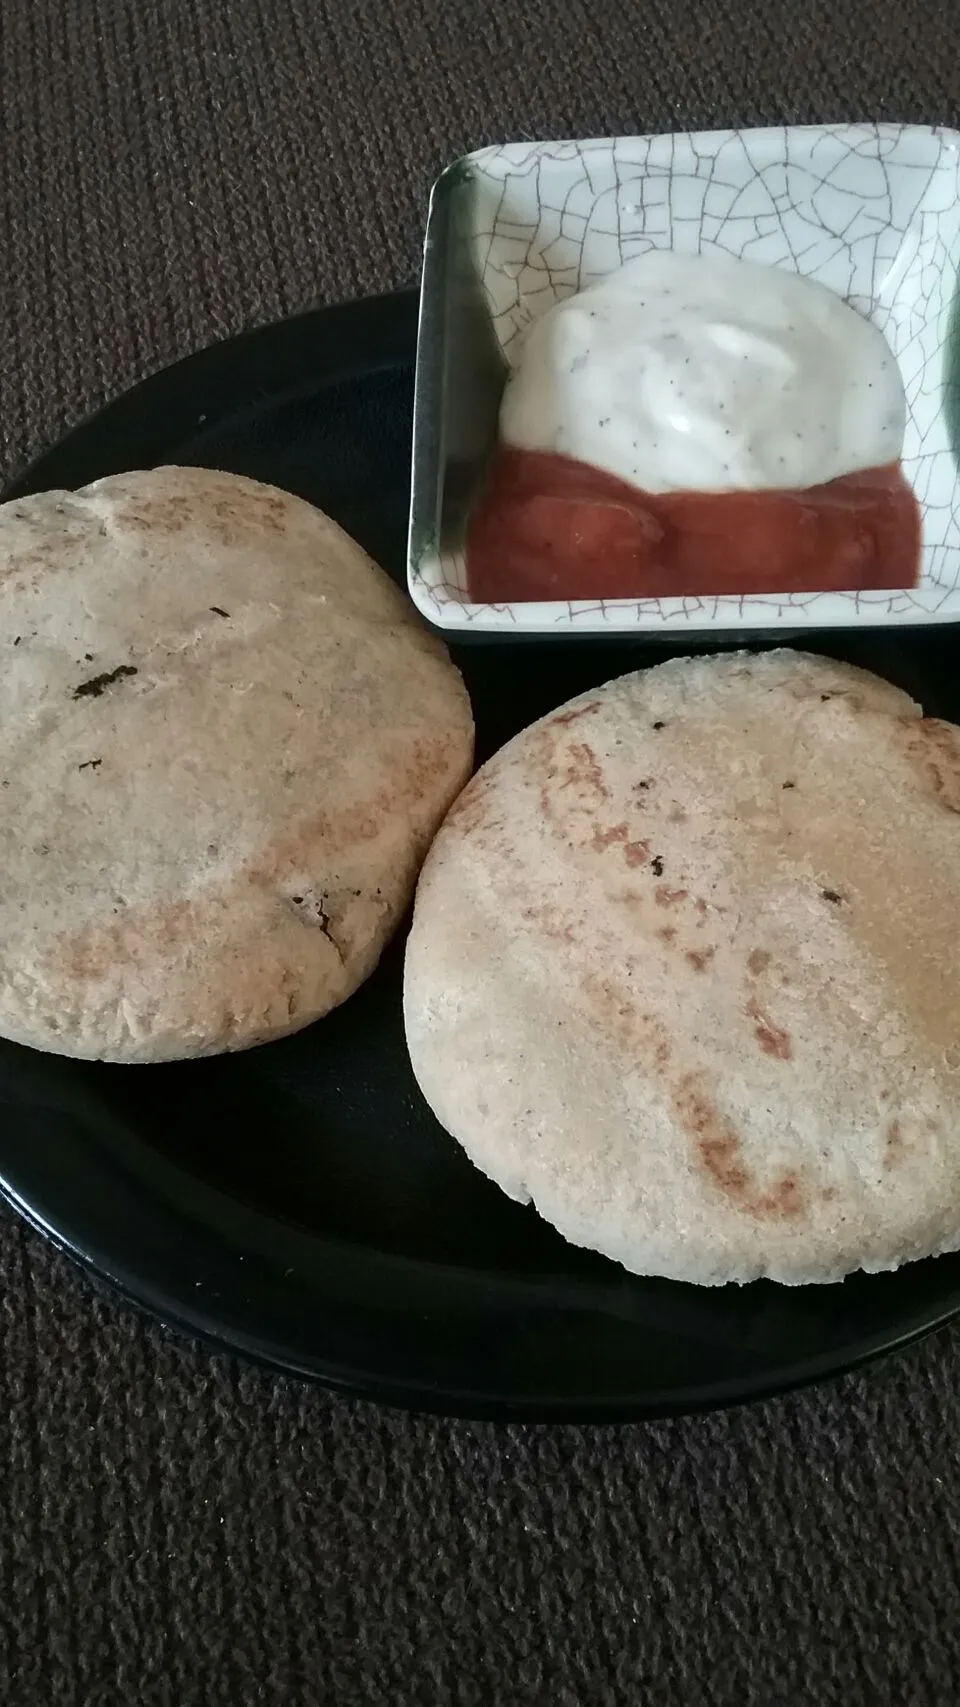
<point x="462" y="1405"/>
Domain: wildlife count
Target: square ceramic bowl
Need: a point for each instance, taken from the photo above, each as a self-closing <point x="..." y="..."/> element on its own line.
<point x="872" y="211"/>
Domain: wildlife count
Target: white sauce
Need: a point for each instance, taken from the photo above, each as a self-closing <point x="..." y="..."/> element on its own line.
<point x="707" y="373"/>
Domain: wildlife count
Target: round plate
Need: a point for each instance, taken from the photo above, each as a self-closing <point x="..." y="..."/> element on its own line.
<point x="299" y="1203"/>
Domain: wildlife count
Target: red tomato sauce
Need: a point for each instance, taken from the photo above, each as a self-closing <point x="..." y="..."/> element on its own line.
<point x="547" y="527"/>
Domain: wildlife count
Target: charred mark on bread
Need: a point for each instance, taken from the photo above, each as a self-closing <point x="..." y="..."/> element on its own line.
<point x="98" y="684"/>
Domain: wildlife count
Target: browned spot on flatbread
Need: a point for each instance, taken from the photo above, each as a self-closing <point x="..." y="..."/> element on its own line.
<point x="757" y="961"/>
<point x="577" y="712"/>
<point x="365" y="820"/>
<point x="667" y="932"/>
<point x="894" y="1146"/>
<point x="549" y="921"/>
<point x="700" y="958"/>
<point x="773" y="1040"/>
<point x="783" y="1201"/>
<point x="721" y="1155"/>
<point x="160" y="511"/>
<point x="604" y="838"/>
<point x="667" y="897"/>
<point x="268" y="508"/>
<point x="718" y="1146"/>
<point x="471" y="806"/>
<point x="92" y="954"/>
<point x="614" y="1004"/>
<point x="609" y="1003"/>
<point x="226" y="513"/>
<point x="934" y="746"/>
<point x="635" y="853"/>
<point x="583" y="771"/>
<point x="151" y="934"/>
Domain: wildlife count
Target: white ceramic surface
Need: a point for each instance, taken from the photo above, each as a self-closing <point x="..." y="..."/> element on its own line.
<point x="873" y="212"/>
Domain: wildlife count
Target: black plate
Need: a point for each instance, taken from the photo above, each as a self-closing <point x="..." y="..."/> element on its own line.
<point x="299" y="1203"/>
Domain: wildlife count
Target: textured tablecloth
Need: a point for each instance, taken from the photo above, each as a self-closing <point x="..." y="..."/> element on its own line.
<point x="175" y="1529"/>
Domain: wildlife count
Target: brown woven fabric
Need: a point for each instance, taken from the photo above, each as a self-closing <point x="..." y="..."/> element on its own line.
<point x="174" y="1530"/>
